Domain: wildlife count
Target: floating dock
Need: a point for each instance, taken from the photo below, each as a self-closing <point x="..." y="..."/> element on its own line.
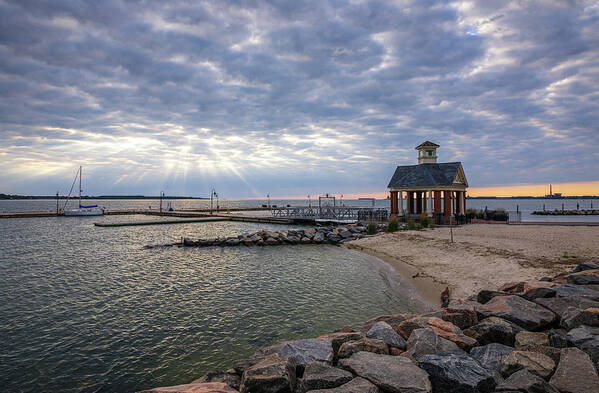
<point x="165" y="222"/>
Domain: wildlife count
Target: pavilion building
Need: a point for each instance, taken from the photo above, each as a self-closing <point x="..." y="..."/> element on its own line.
<point x="429" y="187"/>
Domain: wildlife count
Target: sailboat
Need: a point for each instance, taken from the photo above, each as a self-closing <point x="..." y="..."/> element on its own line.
<point x="92" y="210"/>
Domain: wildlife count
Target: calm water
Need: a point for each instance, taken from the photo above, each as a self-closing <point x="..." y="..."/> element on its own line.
<point x="90" y="309"/>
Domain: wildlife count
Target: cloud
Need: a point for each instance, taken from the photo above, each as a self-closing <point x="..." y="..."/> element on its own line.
<point x="293" y="97"/>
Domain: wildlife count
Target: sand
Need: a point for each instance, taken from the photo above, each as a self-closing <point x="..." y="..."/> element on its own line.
<point x="482" y="256"/>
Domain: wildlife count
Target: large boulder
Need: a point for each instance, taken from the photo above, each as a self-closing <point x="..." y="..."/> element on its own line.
<point x="575" y="317"/>
<point x="364" y="344"/>
<point x="462" y="313"/>
<point x="392" y="319"/>
<point x="456" y="372"/>
<point x="587" y="339"/>
<point x="494" y="330"/>
<point x="308" y="350"/>
<point x="585" y="266"/>
<point x="575" y="373"/>
<point x="566" y="290"/>
<point x="426" y="342"/>
<point x="444" y="329"/>
<point x="356" y="385"/>
<point x="586" y="277"/>
<point x="384" y="331"/>
<point x="522" y="312"/>
<point x="558" y="338"/>
<point x="491" y="355"/>
<point x="337" y="339"/>
<point x="194" y="387"/>
<point x="535" y="362"/>
<point x="524" y="381"/>
<point x="560" y="305"/>
<point x="271" y="375"/>
<point x="525" y="340"/>
<point x="318" y="375"/>
<point x="391" y="373"/>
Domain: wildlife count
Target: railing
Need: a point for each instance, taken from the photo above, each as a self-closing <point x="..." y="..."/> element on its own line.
<point x="339" y="213"/>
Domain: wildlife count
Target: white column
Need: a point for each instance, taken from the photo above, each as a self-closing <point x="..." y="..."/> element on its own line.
<point x="430" y="203"/>
<point x="400" y="202"/>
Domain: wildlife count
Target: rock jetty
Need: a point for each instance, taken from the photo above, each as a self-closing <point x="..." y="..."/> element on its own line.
<point x="515" y="339"/>
<point x="318" y="235"/>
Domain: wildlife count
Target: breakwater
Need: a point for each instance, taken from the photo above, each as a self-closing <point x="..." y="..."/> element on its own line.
<point x="533" y="336"/>
<point x="318" y="235"/>
<point x="556" y="212"/>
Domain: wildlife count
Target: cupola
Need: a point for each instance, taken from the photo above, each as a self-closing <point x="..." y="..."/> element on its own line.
<point x="427" y="153"/>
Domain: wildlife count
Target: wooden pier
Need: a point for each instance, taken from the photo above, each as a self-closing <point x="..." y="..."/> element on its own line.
<point x="140" y="223"/>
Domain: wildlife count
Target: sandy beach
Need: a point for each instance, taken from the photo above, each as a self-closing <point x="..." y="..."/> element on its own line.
<point x="482" y="256"/>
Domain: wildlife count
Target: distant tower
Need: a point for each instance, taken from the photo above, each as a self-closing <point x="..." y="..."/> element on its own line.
<point x="427" y="153"/>
<point x="550" y="190"/>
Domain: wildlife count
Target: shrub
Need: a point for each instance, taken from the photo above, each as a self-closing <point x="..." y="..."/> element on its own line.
<point x="423" y="220"/>
<point x="393" y="225"/>
<point x="411" y="224"/>
<point x="418" y="226"/>
<point x="371" y="228"/>
<point x="431" y="225"/>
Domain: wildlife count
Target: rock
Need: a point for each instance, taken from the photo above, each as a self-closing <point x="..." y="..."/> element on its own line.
<point x="585" y="266"/>
<point x="305" y="240"/>
<point x="558" y="338"/>
<point x="310" y="232"/>
<point x="383" y="331"/>
<point x="308" y="350"/>
<point x="319" y="237"/>
<point x="346" y="234"/>
<point x="524" y="381"/>
<point x="575" y="373"/>
<point x="230" y="377"/>
<point x="494" y="330"/>
<point x="587" y="339"/>
<point x="484" y="296"/>
<point x="461" y="313"/>
<point x="271" y="375"/>
<point x="539" y="293"/>
<point x="337" y="339"/>
<point x="546" y="279"/>
<point x="271" y="241"/>
<point x="522" y="312"/>
<point x="574" y="317"/>
<point x="444" y="329"/>
<point x="321" y="376"/>
<point x="559" y="305"/>
<point x="356" y="385"/>
<point x="566" y="290"/>
<point x="232" y="242"/>
<point x="426" y="342"/>
<point x="535" y="362"/>
<point x="456" y="372"/>
<point x="491" y="355"/>
<point x="585" y="277"/>
<point x="512" y="287"/>
<point x="194" y="387"/>
<point x="364" y="344"/>
<point x="527" y="339"/>
<point x="393" y="320"/>
<point x="391" y="373"/>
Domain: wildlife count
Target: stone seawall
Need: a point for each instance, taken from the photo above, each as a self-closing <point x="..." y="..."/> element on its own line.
<point x="533" y="336"/>
<point x="318" y="235"/>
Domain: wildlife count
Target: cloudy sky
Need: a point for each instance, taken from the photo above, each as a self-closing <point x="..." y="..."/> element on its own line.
<point x="294" y="97"/>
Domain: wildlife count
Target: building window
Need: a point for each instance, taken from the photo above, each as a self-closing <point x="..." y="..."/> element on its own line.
<point x="429" y="153"/>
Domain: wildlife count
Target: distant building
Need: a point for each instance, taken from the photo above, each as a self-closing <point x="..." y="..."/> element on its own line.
<point x="429" y="187"/>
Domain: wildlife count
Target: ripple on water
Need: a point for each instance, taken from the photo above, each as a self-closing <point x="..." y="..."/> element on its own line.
<point x="89" y="309"/>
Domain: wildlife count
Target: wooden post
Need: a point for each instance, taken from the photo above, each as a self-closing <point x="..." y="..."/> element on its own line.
<point x="393" y="203"/>
<point x="418" y="202"/>
<point x="447" y="203"/>
<point x="401" y="213"/>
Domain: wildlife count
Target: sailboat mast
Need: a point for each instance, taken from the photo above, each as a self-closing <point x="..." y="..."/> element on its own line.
<point x="80" y="170"/>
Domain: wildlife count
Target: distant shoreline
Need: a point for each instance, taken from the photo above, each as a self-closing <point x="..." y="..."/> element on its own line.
<point x="19" y="197"/>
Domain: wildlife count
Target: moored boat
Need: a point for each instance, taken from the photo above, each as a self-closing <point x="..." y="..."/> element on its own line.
<point x="82" y="210"/>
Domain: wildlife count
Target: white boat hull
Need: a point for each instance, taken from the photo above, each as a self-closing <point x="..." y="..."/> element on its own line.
<point x="84" y="212"/>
